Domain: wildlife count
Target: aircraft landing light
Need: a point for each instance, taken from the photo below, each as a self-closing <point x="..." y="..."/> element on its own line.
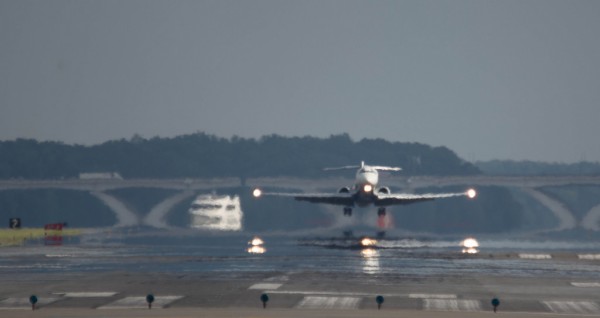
<point x="368" y="188"/>
<point x="469" y="246"/>
<point x="256" y="246"/>
<point x="367" y="242"/>
<point x="257" y="193"/>
<point x="471" y="193"/>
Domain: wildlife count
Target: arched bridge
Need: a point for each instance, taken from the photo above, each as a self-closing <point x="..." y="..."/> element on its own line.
<point x="187" y="187"/>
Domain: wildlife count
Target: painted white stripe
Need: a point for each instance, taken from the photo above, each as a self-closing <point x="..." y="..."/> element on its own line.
<point x="435" y="296"/>
<point x="585" y="285"/>
<point x="282" y="278"/>
<point x="572" y="307"/>
<point x="451" y="304"/>
<point x="23" y="302"/>
<point x="588" y="256"/>
<point x="317" y="302"/>
<point x="331" y="293"/>
<point x="140" y="302"/>
<point x="265" y="286"/>
<point x="535" y="256"/>
<point x="85" y="294"/>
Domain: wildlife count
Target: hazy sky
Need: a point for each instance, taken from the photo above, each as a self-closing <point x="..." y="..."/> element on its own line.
<point x="488" y="79"/>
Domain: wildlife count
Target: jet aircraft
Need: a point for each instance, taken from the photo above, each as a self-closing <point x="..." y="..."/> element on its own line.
<point x="366" y="192"/>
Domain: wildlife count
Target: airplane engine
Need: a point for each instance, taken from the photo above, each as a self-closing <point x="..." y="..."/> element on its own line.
<point x="384" y="190"/>
<point x="344" y="190"/>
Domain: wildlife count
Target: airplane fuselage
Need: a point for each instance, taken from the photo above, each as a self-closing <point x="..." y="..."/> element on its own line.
<point x="365" y="186"/>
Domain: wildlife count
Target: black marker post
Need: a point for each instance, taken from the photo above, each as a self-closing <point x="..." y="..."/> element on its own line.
<point x="33" y="300"/>
<point x="150" y="300"/>
<point x="264" y="298"/>
<point x="495" y="303"/>
<point x="379" y="299"/>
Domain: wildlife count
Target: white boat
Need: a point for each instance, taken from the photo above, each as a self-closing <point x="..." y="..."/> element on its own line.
<point x="216" y="212"/>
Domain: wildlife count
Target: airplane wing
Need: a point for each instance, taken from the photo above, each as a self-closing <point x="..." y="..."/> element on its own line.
<point x="408" y="198"/>
<point x="344" y="199"/>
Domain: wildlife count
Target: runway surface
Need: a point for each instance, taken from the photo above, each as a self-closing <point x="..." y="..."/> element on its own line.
<point x="215" y="275"/>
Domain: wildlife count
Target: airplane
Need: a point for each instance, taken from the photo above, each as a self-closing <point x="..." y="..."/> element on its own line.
<point x="366" y="192"/>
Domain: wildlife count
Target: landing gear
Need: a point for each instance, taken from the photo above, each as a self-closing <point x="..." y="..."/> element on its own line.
<point x="348" y="211"/>
<point x="381" y="219"/>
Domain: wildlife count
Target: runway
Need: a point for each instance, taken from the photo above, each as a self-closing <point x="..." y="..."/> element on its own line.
<point x="216" y="276"/>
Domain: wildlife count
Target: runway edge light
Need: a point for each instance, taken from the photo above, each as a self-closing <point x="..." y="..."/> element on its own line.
<point x="264" y="298"/>
<point x="33" y="300"/>
<point x="150" y="300"/>
<point x="379" y="299"/>
<point x="495" y="303"/>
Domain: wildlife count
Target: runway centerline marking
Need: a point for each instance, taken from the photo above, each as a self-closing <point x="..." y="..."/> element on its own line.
<point x="535" y="256"/>
<point x="586" y="284"/>
<point x="433" y="296"/>
<point x="265" y="286"/>
<point x="133" y="302"/>
<point x="319" y="302"/>
<point x="331" y="293"/>
<point x="572" y="307"/>
<point x="85" y="294"/>
<point x="451" y="305"/>
<point x="282" y="278"/>
<point x="589" y="256"/>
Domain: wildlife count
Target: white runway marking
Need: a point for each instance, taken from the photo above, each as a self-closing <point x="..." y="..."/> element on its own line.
<point x="535" y="256"/>
<point x="331" y="293"/>
<point x="451" y="305"/>
<point x="282" y="278"/>
<point x="140" y="302"/>
<point x="85" y="294"/>
<point x="23" y="302"/>
<point x="585" y="285"/>
<point x="589" y="256"/>
<point x="435" y="296"/>
<point x="572" y="307"/>
<point x="265" y="286"/>
<point x="317" y="302"/>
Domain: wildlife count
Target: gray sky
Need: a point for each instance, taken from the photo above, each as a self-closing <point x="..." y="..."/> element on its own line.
<point x="489" y="79"/>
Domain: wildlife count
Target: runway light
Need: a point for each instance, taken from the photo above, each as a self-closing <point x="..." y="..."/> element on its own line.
<point x="368" y="188"/>
<point x="471" y="193"/>
<point x="257" y="193"/>
<point x="33" y="300"/>
<point x="256" y="241"/>
<point x="256" y="246"/>
<point x="469" y="246"/>
<point x="367" y="242"/>
<point x="256" y="249"/>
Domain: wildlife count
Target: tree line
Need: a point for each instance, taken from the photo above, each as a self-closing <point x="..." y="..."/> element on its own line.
<point x="529" y="168"/>
<point x="203" y="155"/>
